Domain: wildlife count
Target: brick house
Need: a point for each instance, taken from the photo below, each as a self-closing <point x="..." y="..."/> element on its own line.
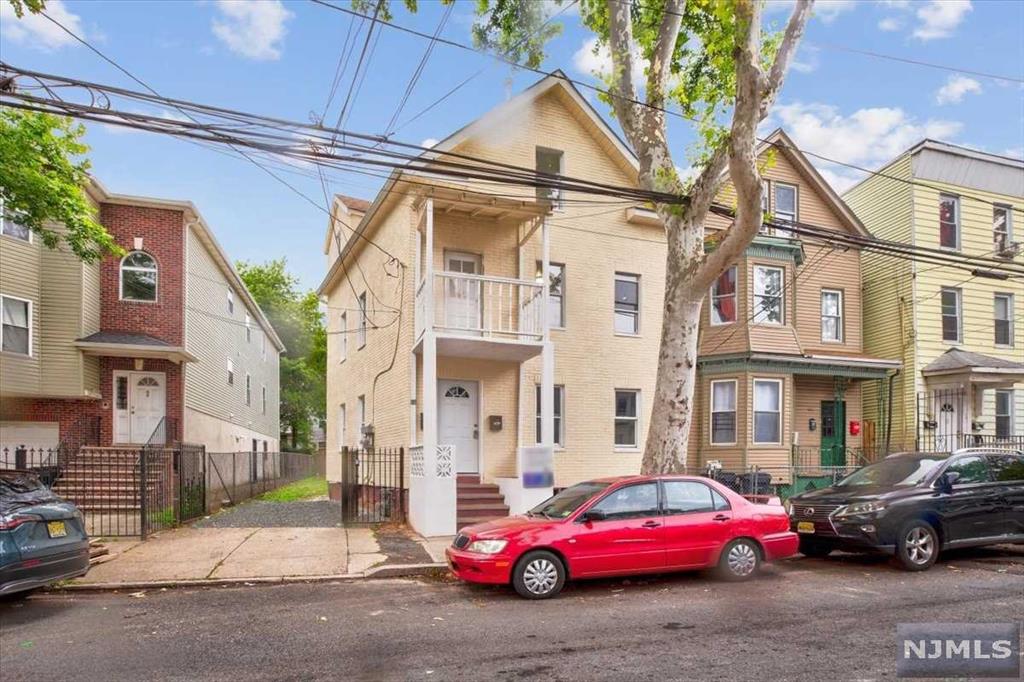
<point x="162" y="345"/>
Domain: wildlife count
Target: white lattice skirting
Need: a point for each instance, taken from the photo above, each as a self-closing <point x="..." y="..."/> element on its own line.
<point x="416" y="461"/>
<point x="445" y="461"/>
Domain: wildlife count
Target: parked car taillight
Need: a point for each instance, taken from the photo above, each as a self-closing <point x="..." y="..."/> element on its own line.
<point x="12" y="521"/>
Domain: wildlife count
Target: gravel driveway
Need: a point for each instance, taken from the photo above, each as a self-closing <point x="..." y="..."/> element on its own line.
<point x="257" y="514"/>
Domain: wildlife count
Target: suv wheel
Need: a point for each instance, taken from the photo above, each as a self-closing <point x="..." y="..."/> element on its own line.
<point x="740" y="560"/>
<point x="917" y="546"/>
<point x="814" y="548"/>
<point x="539" y="575"/>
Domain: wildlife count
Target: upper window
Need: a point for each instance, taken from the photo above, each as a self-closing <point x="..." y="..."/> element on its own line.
<point x="627" y="303"/>
<point x="1003" y="319"/>
<point x="785" y="206"/>
<point x="831" y="315"/>
<point x="630" y="502"/>
<point x="768" y="411"/>
<point x="723" y="298"/>
<point x="683" y="497"/>
<point x="231" y="372"/>
<point x="627" y="416"/>
<point x="361" y="330"/>
<point x="556" y="292"/>
<point x="11" y="228"/>
<point x="559" y="412"/>
<point x="549" y="162"/>
<point x="248" y="328"/>
<point x="1004" y="413"/>
<point x="231" y="301"/>
<point x="949" y="221"/>
<point x="1002" y="233"/>
<point x="951" y="314"/>
<point x="769" y="301"/>
<point x="361" y="413"/>
<point x="16" y="331"/>
<point x="342" y="337"/>
<point x="248" y="390"/>
<point x="342" y="426"/>
<point x="723" y="412"/>
<point x="972" y="469"/>
<point x="138" y="277"/>
<point x="263" y="399"/>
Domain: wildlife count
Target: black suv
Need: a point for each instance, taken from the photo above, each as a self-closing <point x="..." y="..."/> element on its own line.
<point x="912" y="505"/>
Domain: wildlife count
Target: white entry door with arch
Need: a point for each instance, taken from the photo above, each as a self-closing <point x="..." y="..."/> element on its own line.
<point x="140" y="402"/>
<point x="458" y="422"/>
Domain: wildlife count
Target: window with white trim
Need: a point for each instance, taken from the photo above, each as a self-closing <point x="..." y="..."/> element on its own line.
<point x="549" y="162"/>
<point x="831" y="315"/>
<point x="248" y="327"/>
<point x="231" y="372"/>
<point x="361" y="330"/>
<point x="1002" y="231"/>
<point x="627" y="418"/>
<point x="9" y="227"/>
<point x="951" y="307"/>
<point x="556" y="292"/>
<point x="342" y="426"/>
<point x="949" y="221"/>
<point x="231" y="301"/>
<point x="785" y="211"/>
<point x="1003" y="319"/>
<point x="559" y="398"/>
<point x="342" y="337"/>
<point x="768" y="411"/>
<point x="361" y="414"/>
<point x="138" y="277"/>
<point x="627" y="303"/>
<point x="769" y="299"/>
<point x="16" y="330"/>
<point x="263" y="398"/>
<point x="263" y="345"/>
<point x="723" y="298"/>
<point x="248" y="390"/>
<point x="1004" y="413"/>
<point x="723" y="412"/>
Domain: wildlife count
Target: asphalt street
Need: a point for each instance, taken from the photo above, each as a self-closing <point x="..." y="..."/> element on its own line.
<point x="803" y="619"/>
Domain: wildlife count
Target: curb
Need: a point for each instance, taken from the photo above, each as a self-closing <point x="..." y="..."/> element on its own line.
<point x="378" y="572"/>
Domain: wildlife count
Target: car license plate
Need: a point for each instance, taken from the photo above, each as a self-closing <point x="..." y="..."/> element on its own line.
<point x="56" y="529"/>
<point x="805" y="527"/>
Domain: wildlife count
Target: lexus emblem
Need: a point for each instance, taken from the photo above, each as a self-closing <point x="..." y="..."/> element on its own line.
<point x="809" y="511"/>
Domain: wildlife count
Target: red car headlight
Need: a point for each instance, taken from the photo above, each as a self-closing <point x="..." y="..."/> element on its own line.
<point x="487" y="546"/>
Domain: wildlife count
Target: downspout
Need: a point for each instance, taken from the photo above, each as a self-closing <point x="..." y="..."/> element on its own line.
<point x="888" y="416"/>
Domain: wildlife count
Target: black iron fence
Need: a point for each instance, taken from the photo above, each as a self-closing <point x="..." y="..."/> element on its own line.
<point x="373" y="485"/>
<point x="232" y="477"/>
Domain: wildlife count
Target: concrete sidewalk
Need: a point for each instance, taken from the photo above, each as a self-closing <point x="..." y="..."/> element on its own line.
<point x="211" y="554"/>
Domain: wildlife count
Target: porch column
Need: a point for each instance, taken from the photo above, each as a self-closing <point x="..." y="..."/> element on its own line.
<point x="547" y="375"/>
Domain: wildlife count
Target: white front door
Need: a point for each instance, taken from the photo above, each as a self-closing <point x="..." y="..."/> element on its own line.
<point x="140" y="403"/>
<point x="457" y="423"/>
<point x="462" y="296"/>
<point x="952" y="419"/>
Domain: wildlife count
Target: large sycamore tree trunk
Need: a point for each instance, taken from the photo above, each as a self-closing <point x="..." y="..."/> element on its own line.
<point x="689" y="270"/>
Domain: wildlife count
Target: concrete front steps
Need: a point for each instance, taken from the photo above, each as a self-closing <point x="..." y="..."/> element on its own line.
<point x="107" y="479"/>
<point x="476" y="502"/>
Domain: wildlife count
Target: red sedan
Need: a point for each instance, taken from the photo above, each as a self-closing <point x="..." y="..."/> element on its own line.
<point x="624" y="526"/>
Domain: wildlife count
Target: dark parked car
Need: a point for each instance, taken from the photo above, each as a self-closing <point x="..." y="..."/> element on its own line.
<point x="913" y="505"/>
<point x="42" y="537"/>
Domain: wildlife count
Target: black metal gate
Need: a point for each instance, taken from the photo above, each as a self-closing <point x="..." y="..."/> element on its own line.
<point x="190" y="470"/>
<point x="373" y="485"/>
<point x="942" y="420"/>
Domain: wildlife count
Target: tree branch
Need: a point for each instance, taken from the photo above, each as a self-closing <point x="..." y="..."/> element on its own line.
<point x="790" y="41"/>
<point x="621" y="87"/>
<point x="664" y="49"/>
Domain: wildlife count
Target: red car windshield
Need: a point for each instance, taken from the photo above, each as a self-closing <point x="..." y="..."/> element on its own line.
<point x="567" y="501"/>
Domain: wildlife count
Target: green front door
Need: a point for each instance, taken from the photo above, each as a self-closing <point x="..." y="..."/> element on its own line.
<point x="833" y="435"/>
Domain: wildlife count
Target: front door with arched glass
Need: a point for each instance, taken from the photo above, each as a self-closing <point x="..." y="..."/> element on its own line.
<point x="457" y="423"/>
<point x="140" y="404"/>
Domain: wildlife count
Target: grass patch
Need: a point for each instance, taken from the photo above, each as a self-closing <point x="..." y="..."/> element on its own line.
<point x="314" y="486"/>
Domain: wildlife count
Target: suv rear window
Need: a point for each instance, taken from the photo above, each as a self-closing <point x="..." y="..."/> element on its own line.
<point x="1007" y="467"/>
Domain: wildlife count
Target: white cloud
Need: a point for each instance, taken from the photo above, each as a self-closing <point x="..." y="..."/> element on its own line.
<point x="955" y="88"/>
<point x="38" y="31"/>
<point x="825" y="10"/>
<point x="939" y="18"/>
<point x="890" y="24"/>
<point x="600" y="64"/>
<point x="252" y="29"/>
<point x="868" y="137"/>
<point x="805" y="60"/>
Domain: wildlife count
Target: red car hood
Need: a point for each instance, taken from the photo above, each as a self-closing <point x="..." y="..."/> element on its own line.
<point x="501" y="527"/>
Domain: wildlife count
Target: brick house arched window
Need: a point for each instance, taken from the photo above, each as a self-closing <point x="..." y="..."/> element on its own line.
<point x="138" y="277"/>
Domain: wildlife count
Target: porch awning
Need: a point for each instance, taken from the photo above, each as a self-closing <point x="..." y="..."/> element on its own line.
<point x="851" y="367"/>
<point x="127" y="345"/>
<point x="975" y="367"/>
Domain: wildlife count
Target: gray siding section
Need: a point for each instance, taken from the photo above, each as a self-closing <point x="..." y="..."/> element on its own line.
<point x="214" y="336"/>
<point x="998" y="177"/>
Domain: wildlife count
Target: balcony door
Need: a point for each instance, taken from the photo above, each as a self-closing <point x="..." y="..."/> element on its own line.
<point x="462" y="299"/>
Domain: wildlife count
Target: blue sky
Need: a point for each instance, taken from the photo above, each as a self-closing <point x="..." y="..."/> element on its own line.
<point x="279" y="58"/>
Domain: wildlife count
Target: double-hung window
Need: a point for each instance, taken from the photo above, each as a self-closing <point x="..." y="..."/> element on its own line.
<point x="723" y="298"/>
<point x="951" y="316"/>
<point x="16" y="332"/>
<point x="1004" y="413"/>
<point x="248" y="327"/>
<point x="769" y="300"/>
<point x="231" y="372"/>
<point x="343" y="337"/>
<point x="559" y="398"/>
<point x="342" y="426"/>
<point x="831" y="315"/>
<point x="361" y="330"/>
<point x="556" y="292"/>
<point x="231" y="301"/>
<point x="627" y="303"/>
<point x="1003" y="321"/>
<point x="361" y="414"/>
<point x="949" y="221"/>
<point x="248" y="390"/>
<point x="627" y="418"/>
<point x="768" y="411"/>
<point x="9" y="227"/>
<point x="263" y="398"/>
<point x="785" y="211"/>
<point x="723" y="412"/>
<point x="549" y="162"/>
<point x="1001" y="228"/>
<point x="138" y="277"/>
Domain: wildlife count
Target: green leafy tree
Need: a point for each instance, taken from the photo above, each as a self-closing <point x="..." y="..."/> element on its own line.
<point x="296" y="318"/>
<point x="43" y="175"/>
<point x="713" y="61"/>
